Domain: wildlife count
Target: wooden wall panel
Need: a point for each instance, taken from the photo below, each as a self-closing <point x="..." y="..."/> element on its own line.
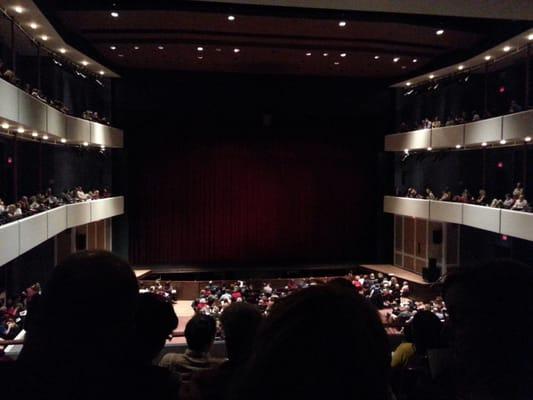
<point x="409" y="232"/>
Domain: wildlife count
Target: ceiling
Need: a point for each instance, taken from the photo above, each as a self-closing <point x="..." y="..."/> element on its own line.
<point x="269" y="40"/>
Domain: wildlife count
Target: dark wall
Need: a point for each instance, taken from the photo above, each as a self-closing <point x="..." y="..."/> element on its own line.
<point x="251" y="170"/>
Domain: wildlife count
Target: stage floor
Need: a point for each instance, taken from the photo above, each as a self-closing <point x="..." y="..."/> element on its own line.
<point x="396" y="271"/>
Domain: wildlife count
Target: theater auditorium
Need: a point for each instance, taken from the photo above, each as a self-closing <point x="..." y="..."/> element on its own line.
<point x="259" y="199"/>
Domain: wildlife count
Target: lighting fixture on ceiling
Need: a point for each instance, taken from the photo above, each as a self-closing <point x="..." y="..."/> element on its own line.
<point x="439" y="32"/>
<point x="506" y="48"/>
<point x="415" y="60"/>
<point x="484" y="144"/>
<point x="336" y="63"/>
<point x="35" y="134"/>
<point x="160" y="47"/>
<point x="112" y="47"/>
<point x="20" y="129"/>
<point x="342" y="24"/>
<point x="376" y="57"/>
<point x="44" y="37"/>
<point x="114" y="14"/>
<point x="236" y="50"/>
<point x="18" y="9"/>
<point x="431" y="76"/>
<point x="5" y="125"/>
<point x="343" y="54"/>
<point x="101" y="72"/>
<point x="85" y="63"/>
<point x="487" y="57"/>
<point x="408" y="84"/>
<point x="231" y="17"/>
<point x="308" y="54"/>
<point x="396" y="59"/>
<point x="460" y="67"/>
<point x="62" y="50"/>
<point x="200" y="48"/>
<point x="136" y="47"/>
<point x="45" y="137"/>
<point x="33" y="25"/>
<point x="63" y="140"/>
<point x="503" y="141"/>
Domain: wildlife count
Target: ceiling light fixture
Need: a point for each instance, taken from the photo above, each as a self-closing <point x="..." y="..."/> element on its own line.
<point x="18" y="9"/>
<point x="325" y="54"/>
<point x="439" y="32"/>
<point x="457" y="146"/>
<point x="396" y="59"/>
<point x="114" y="14"/>
<point x="503" y="141"/>
<point x="63" y="140"/>
<point x="136" y="47"/>
<point x="530" y="36"/>
<point x="308" y="54"/>
<point x="415" y="60"/>
<point x="231" y="17"/>
<point x="200" y="48"/>
<point x="101" y="72"/>
<point x="408" y="84"/>
<point x="85" y="63"/>
<point x="430" y="148"/>
<point x="487" y="57"/>
<point x="527" y="139"/>
<point x="33" y="25"/>
<point x="343" y="54"/>
<point x="113" y="47"/>
<point x="62" y="50"/>
<point x="200" y="57"/>
<point x="121" y="55"/>
<point x="34" y="134"/>
<point x="336" y="63"/>
<point x="431" y="76"/>
<point x="86" y="144"/>
<point x="20" y="129"/>
<point x="160" y="47"/>
<point x="45" y="137"/>
<point x="376" y="57"/>
<point x="236" y="50"/>
<point x="506" y="48"/>
<point x="44" y="38"/>
<point x="5" y="125"/>
<point x="484" y="144"/>
<point x="342" y="24"/>
<point x="460" y="67"/>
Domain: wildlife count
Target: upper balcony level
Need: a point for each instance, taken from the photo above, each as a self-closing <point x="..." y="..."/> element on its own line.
<point x="508" y="129"/>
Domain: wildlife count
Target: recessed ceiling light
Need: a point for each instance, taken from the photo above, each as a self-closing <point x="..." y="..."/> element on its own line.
<point x="236" y="50"/>
<point x="45" y="137"/>
<point x="44" y="37"/>
<point x="33" y="25"/>
<point x="484" y="144"/>
<point x="530" y="36"/>
<point x="406" y="151"/>
<point x="487" y="57"/>
<point x="113" y="47"/>
<point x="376" y="57"/>
<point x="218" y="50"/>
<point x="161" y="47"/>
<point x="342" y="24"/>
<point x="136" y="47"/>
<point x="200" y="57"/>
<point x="431" y="76"/>
<point x="308" y="54"/>
<point x="408" y="84"/>
<point x="343" y="54"/>
<point x="325" y="54"/>
<point x="404" y="67"/>
<point x="18" y="9"/>
<point x="439" y="32"/>
<point x="457" y="146"/>
<point x="63" y="140"/>
<point x="396" y="59"/>
<point x="86" y="144"/>
<point x="503" y="141"/>
<point x="35" y="134"/>
<point x="507" y="48"/>
<point x="200" y="48"/>
<point x="85" y="63"/>
<point x="5" y="125"/>
<point x="101" y="72"/>
<point x="430" y="148"/>
<point x="121" y="55"/>
<point x="20" y="129"/>
<point x="527" y="139"/>
<point x="415" y="60"/>
<point x="460" y="67"/>
<point x="114" y="14"/>
<point x="62" y="50"/>
<point x="231" y="17"/>
<point x="336" y="63"/>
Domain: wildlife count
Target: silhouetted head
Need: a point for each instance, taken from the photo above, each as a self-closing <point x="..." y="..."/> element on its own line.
<point x="426" y="331"/>
<point x="156" y="320"/>
<point x="322" y="342"/>
<point x="200" y="333"/>
<point x="240" y="322"/>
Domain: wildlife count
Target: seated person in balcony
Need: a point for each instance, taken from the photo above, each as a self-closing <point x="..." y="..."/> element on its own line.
<point x="450" y="121"/>
<point x="2" y="206"/>
<point x="508" y="202"/>
<point x="518" y="190"/>
<point x="482" y="198"/>
<point x="200" y="336"/>
<point x="514" y="107"/>
<point x="520" y="204"/>
<point x="14" y="211"/>
<point x="436" y="122"/>
<point x="81" y="195"/>
<point x="49" y="199"/>
<point x="34" y="204"/>
<point x="429" y="194"/>
<point x="446" y="195"/>
<point x="24" y="204"/>
<point x="464" y="197"/>
<point x="475" y="116"/>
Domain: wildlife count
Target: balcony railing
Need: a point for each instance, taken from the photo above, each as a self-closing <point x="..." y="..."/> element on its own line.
<point x="24" y="234"/>
<point x="506" y="222"/>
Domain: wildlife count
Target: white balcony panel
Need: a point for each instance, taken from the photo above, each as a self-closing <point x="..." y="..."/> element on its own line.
<point x="447" y="137"/>
<point x="117" y="138"/>
<point x="486" y="130"/>
<point x="396" y="142"/>
<point x="417" y="140"/>
<point x="444" y="211"/>
<point x="57" y="221"/>
<point x="481" y="217"/>
<point x="518" y="126"/>
<point x="32" y="112"/>
<point x="9" y="108"/>
<point x="106" y="208"/>
<point x="100" y="134"/>
<point x="56" y="122"/>
<point x="517" y="224"/>
<point x="409" y="207"/>
<point x="78" y="130"/>
<point x="78" y="214"/>
<point x="9" y="242"/>
<point x="33" y="231"/>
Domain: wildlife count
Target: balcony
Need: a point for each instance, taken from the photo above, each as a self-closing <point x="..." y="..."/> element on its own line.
<point x="20" y="236"/>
